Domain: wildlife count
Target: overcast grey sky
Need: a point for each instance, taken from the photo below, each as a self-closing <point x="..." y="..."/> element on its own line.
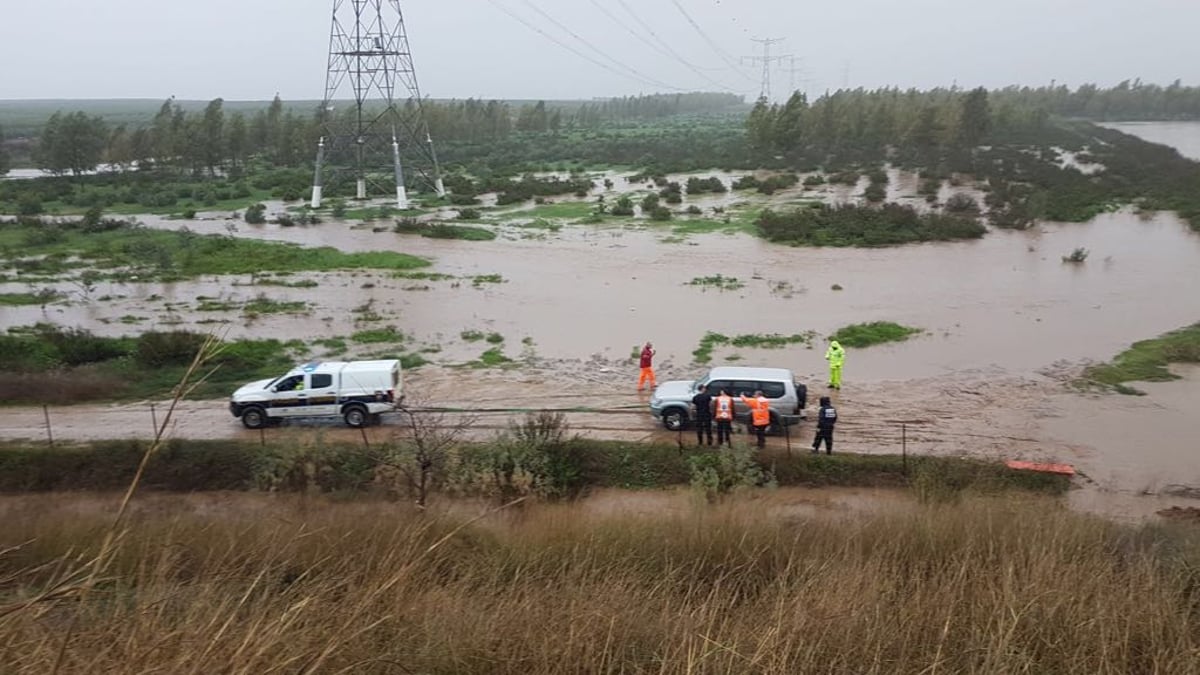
<point x="251" y="49"/>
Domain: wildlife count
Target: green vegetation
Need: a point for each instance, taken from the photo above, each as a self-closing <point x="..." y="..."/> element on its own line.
<point x="491" y="358"/>
<point x="495" y="338"/>
<point x="711" y="340"/>
<point x="1078" y="255"/>
<point x="234" y="465"/>
<point x="1147" y="361"/>
<point x="264" y="305"/>
<point x="49" y="364"/>
<point x="718" y="281"/>
<point x="387" y="334"/>
<point x="443" y="230"/>
<point x="43" y="297"/>
<point x="471" y="335"/>
<point x="480" y="279"/>
<point x="852" y="225"/>
<point x="127" y="250"/>
<point x="874" y="333"/>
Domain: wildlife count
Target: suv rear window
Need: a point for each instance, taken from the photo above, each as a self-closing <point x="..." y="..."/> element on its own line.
<point x="772" y="389"/>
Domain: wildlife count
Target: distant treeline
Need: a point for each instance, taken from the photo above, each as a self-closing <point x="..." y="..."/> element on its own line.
<point x="211" y="140"/>
<point x="1128" y="101"/>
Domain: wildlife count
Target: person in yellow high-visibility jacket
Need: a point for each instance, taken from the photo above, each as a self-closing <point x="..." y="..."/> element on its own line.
<point x="836" y="356"/>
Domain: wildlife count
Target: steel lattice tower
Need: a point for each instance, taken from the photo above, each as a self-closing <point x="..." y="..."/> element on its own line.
<point x="384" y="128"/>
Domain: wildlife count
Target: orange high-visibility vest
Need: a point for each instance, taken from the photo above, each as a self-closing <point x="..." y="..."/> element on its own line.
<point x="761" y="410"/>
<point x="724" y="407"/>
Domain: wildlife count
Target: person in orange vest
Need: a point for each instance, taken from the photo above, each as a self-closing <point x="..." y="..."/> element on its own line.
<point x="723" y="407"/>
<point x="647" y="365"/>
<point x="760" y="415"/>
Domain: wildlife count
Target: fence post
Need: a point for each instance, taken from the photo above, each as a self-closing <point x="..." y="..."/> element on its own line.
<point x="366" y="442"/>
<point x="154" y="420"/>
<point x="787" y="435"/>
<point x="904" y="446"/>
<point x="49" y="431"/>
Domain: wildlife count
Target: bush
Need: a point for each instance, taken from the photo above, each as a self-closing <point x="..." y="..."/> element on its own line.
<point x="962" y="203"/>
<point x="623" y="206"/>
<point x="256" y="214"/>
<point x="814" y="180"/>
<point x="852" y="225"/>
<point x="469" y="214"/>
<point x="660" y="213"/>
<point x="875" y="193"/>
<point x="172" y="348"/>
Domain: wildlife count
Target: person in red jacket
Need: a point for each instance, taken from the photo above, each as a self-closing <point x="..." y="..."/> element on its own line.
<point x="647" y="366"/>
<point x="760" y="415"/>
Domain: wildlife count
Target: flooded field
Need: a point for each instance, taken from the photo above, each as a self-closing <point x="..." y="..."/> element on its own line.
<point x="1005" y="323"/>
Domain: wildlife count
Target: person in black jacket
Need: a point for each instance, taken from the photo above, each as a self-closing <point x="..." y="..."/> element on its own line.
<point x="826" y="419"/>
<point x="704" y="414"/>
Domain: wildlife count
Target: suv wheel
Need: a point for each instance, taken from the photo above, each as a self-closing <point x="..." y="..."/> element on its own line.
<point x="674" y="419"/>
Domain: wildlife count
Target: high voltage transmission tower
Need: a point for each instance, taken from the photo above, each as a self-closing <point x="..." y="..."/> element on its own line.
<point x="766" y="59"/>
<point x="383" y="130"/>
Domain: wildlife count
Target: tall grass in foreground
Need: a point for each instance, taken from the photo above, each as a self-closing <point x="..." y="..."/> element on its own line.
<point x="266" y="585"/>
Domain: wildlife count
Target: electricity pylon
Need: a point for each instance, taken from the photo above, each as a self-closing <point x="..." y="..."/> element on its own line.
<point x="382" y="129"/>
<point x="766" y="59"/>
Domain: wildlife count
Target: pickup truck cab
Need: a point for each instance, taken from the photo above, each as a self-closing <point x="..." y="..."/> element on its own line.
<point x="672" y="401"/>
<point x="357" y="391"/>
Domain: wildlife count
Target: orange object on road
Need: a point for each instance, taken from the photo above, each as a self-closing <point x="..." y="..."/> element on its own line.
<point x="1061" y="469"/>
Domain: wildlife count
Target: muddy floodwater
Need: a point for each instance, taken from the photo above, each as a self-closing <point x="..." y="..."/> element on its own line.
<point x="1006" y="322"/>
<point x="1005" y="301"/>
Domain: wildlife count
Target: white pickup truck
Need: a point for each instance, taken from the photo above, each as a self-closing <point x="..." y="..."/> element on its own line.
<point x="356" y="391"/>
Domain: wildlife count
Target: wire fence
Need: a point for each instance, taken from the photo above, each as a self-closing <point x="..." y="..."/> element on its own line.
<point x="871" y="435"/>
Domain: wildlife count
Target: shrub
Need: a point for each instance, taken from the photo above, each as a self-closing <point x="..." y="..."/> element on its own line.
<point x="623" y="206"/>
<point x="962" y="203"/>
<point x="172" y="348"/>
<point x="1079" y="255"/>
<point x="469" y="214"/>
<point x="256" y="214"/>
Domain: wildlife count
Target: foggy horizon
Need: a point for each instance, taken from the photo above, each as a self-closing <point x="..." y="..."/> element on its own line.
<point x="587" y="49"/>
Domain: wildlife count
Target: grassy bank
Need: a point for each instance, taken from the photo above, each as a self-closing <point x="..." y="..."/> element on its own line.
<point x="1147" y="361"/>
<point x="122" y="250"/>
<point x="48" y="364"/>
<point x="240" y="585"/>
<point x="561" y="468"/>
<point x="874" y="333"/>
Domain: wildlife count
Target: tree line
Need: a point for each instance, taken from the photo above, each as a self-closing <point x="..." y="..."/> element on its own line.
<point x="210" y="141"/>
<point x="1127" y="101"/>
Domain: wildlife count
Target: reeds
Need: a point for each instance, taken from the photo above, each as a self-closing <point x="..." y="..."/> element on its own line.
<point x="256" y="584"/>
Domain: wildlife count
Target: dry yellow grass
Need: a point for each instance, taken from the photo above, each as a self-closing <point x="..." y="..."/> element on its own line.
<point x="255" y="584"/>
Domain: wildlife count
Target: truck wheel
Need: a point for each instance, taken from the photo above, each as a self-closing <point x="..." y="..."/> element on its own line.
<point x="356" y="417"/>
<point x="254" y="418"/>
<point x="674" y="419"/>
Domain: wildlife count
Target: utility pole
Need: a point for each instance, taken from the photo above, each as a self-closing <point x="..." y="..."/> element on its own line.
<point x="384" y="126"/>
<point x="766" y="60"/>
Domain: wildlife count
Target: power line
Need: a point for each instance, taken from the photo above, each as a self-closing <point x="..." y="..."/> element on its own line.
<point x="568" y="47"/>
<point x="589" y="45"/>
<point x="711" y="43"/>
<point x="665" y="49"/>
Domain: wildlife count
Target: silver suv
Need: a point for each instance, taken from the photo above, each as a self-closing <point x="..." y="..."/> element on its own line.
<point x="672" y="401"/>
